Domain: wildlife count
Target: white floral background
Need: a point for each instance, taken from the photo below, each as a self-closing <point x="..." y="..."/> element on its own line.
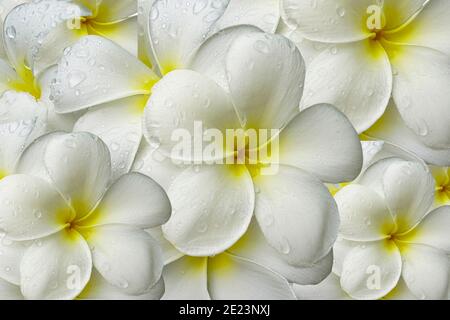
<point x="94" y="205"/>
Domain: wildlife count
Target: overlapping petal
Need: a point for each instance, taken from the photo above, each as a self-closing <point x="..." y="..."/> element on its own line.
<point x="322" y="141"/>
<point x="371" y="271"/>
<point x="128" y="258"/>
<point x="198" y="107"/>
<point x="133" y="199"/>
<point x="31" y="208"/>
<point x="265" y="102"/>
<point x="57" y="267"/>
<point x="80" y="176"/>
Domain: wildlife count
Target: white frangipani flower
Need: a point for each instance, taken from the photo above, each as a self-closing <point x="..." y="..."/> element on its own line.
<point x="378" y="48"/>
<point x="63" y="199"/>
<point x="388" y="234"/>
<point x="330" y="288"/>
<point x="214" y="204"/>
<point x="96" y="73"/>
<point x="36" y="33"/>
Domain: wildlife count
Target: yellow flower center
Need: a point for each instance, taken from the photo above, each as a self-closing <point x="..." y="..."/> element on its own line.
<point x="27" y="83"/>
<point x="3" y="173"/>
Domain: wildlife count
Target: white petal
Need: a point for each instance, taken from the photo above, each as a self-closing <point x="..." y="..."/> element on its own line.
<point x="100" y="289"/>
<point x="30" y="208"/>
<point x="119" y="125"/>
<point x="340" y="250"/>
<point x="212" y="208"/>
<point x="39" y="32"/>
<point x="79" y="166"/>
<point x="422" y="77"/>
<point x="145" y="51"/>
<point x="354" y="77"/>
<point x="322" y="141"/>
<point x="371" y="271"/>
<point x="186" y="278"/>
<point x="191" y="103"/>
<point x="253" y="246"/>
<point x="263" y="101"/>
<point x="409" y="190"/>
<point x="309" y="49"/>
<point x="364" y="214"/>
<point x="426" y="272"/>
<point x="433" y="230"/>
<point x="96" y="70"/>
<point x="329" y="20"/>
<point x="9" y="291"/>
<point x="172" y="42"/>
<point x="231" y="277"/>
<point x="393" y="129"/>
<point x="11" y="253"/>
<point x="297" y="215"/>
<point x="263" y="14"/>
<point x="128" y="258"/>
<point x="57" y="267"/>
<point x="429" y="29"/>
<point x="31" y="162"/>
<point x="210" y="59"/>
<point x="55" y="121"/>
<point x="134" y="199"/>
<point x="328" y="289"/>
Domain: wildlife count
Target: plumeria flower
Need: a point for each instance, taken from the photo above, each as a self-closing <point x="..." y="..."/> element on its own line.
<point x="213" y="204"/>
<point x="378" y="48"/>
<point x="98" y="74"/>
<point x="388" y="234"/>
<point x="330" y="288"/>
<point x="39" y="31"/>
<point x="252" y="252"/>
<point x="64" y="201"/>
